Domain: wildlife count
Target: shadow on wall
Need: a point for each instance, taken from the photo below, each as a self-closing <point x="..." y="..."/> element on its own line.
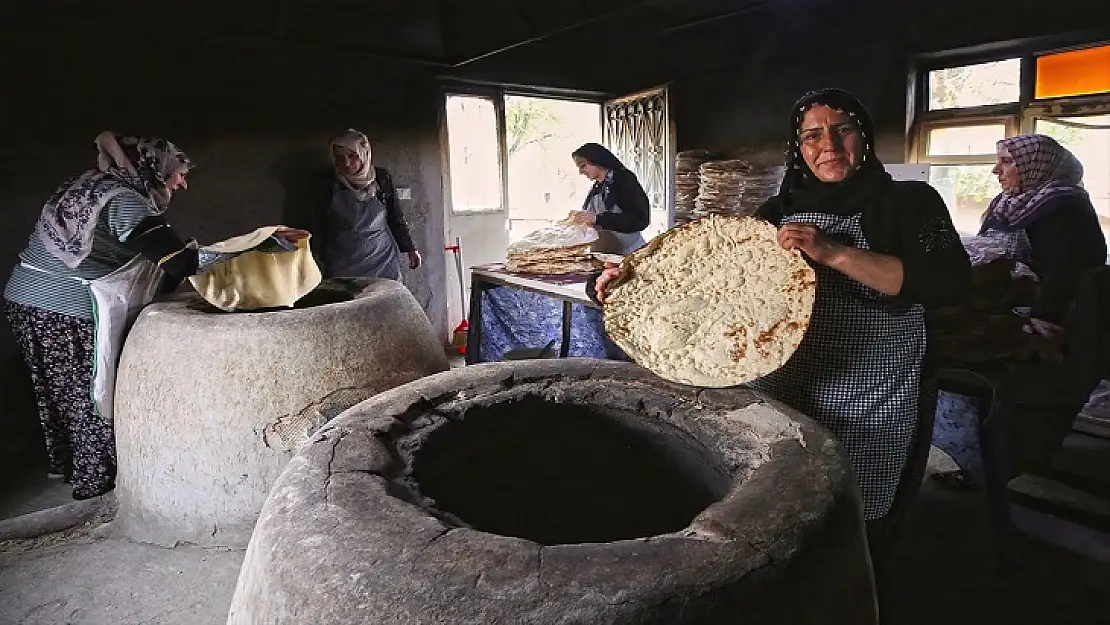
<point x="20" y="437"/>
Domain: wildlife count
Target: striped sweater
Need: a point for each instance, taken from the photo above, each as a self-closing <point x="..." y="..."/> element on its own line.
<point x="53" y="285"/>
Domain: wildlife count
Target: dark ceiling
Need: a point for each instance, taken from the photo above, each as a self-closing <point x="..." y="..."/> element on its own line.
<point x="450" y="37"/>
<point x="445" y="33"/>
<point x="603" y="45"/>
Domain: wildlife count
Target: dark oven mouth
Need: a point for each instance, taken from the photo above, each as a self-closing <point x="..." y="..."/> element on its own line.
<point x="322" y="295"/>
<point x="566" y="473"/>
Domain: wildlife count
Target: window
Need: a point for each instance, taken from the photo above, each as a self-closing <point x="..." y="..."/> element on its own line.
<point x="971" y="140"/>
<point x="975" y="85"/>
<point x="474" y="153"/>
<point x="965" y="109"/>
<point x="1089" y="139"/>
<point x="544" y="183"/>
<point x="962" y="156"/>
<point x="1073" y="73"/>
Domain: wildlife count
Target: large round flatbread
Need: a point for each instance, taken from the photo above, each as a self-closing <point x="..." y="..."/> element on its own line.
<point x="715" y="302"/>
<point x="255" y="280"/>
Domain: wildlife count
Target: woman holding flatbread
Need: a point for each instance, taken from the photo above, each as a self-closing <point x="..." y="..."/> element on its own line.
<point x="101" y="249"/>
<point x="616" y="204"/>
<point x="881" y="250"/>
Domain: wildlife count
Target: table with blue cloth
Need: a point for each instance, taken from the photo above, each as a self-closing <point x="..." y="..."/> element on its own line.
<point x="512" y="311"/>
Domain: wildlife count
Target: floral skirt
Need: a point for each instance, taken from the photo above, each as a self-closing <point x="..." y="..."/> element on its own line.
<point x="58" y="349"/>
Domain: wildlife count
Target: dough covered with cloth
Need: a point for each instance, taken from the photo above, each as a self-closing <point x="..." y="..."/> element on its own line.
<point x="255" y="279"/>
<point x="715" y="302"/>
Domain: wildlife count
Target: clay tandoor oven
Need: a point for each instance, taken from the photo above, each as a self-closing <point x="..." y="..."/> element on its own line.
<point x="210" y="406"/>
<point x="561" y="491"/>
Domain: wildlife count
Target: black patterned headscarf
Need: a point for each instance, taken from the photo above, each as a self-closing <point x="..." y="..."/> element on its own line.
<point x="1046" y="169"/>
<point x="139" y="164"/>
<point x="801" y="188"/>
<point x="599" y="155"/>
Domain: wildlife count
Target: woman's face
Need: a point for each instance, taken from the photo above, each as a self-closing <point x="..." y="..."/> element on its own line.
<point x="831" y="143"/>
<point x="589" y="170"/>
<point x="177" y="180"/>
<point x="346" y="160"/>
<point x="1007" y="171"/>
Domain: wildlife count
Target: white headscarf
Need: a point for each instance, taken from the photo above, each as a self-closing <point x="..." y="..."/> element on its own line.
<point x="361" y="183"/>
<point x="138" y="164"/>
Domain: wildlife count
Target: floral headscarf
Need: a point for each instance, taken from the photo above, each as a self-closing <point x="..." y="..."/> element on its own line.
<point x="362" y="181"/>
<point x="138" y="164"/>
<point x="1047" y="170"/>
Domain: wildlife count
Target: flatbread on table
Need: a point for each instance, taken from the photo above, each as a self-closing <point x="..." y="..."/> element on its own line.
<point x="555" y="237"/>
<point x="715" y="302"/>
<point x="558" y="249"/>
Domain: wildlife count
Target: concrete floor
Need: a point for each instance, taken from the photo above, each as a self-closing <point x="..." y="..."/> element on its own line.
<point x="948" y="574"/>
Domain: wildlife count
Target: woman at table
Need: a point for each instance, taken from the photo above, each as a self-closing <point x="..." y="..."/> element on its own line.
<point x="616" y="204"/>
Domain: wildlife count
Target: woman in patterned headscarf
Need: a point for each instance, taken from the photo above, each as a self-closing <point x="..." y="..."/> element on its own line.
<point x="1047" y="221"/>
<point x="1044" y="205"/>
<point x="95" y="224"/>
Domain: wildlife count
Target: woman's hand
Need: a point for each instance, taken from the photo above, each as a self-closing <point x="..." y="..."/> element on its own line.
<point x="414" y="259"/>
<point x="292" y="234"/>
<point x="612" y="270"/>
<point x="1046" y="340"/>
<point x="1043" y="328"/>
<point x="585" y="218"/>
<point x="881" y="272"/>
<point x="818" y="246"/>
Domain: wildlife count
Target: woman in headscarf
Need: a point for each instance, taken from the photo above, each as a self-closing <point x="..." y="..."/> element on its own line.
<point x="97" y="224"/>
<point x="616" y="204"/>
<point x="358" y="228"/>
<point x="1044" y="204"/>
<point x="1047" y="221"/>
<point x="881" y="250"/>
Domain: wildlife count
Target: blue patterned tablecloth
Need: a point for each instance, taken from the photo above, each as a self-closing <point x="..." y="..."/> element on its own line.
<point x="514" y="318"/>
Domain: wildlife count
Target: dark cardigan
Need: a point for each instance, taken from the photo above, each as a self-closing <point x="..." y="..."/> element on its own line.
<point x="625" y="191"/>
<point x="1066" y="242"/>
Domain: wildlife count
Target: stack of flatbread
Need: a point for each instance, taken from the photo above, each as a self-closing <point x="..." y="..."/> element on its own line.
<point x="557" y="250"/>
<point x="721" y="187"/>
<point x="759" y="185"/>
<point x="716" y="302"/>
<point x="687" y="181"/>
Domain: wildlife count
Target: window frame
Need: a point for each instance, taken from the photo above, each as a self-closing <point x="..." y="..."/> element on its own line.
<point x="497" y="92"/>
<point x="1020" y="116"/>
<point x="921" y="147"/>
<point x="499" y="128"/>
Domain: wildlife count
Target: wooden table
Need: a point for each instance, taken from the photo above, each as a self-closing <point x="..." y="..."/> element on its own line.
<point x="569" y="289"/>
